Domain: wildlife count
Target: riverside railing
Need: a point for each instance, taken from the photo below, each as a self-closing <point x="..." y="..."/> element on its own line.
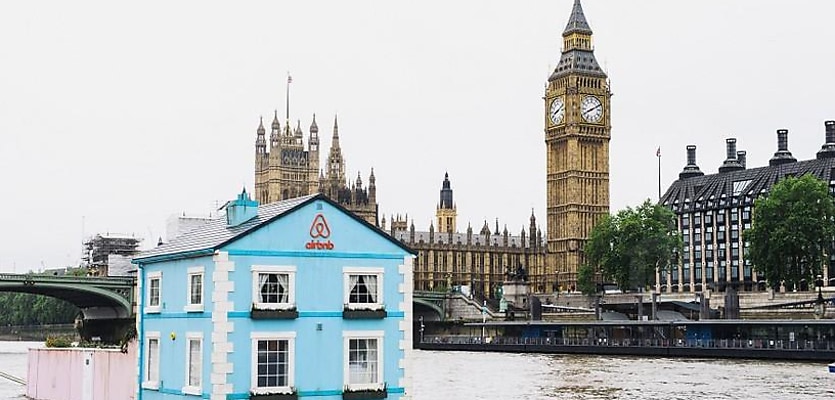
<point x="810" y="345"/>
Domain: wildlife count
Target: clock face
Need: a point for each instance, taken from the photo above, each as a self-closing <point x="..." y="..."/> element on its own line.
<point x="557" y="111"/>
<point x="591" y="108"/>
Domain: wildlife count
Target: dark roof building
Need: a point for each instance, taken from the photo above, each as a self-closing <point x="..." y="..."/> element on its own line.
<point x="714" y="210"/>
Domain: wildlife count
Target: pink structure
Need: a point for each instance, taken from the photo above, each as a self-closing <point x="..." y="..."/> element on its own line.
<point x="81" y="374"/>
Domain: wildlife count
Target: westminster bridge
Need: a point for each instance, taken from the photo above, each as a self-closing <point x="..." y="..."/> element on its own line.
<point x="107" y="304"/>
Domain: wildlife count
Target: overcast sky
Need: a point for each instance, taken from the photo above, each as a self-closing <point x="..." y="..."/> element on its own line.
<point x="114" y="116"/>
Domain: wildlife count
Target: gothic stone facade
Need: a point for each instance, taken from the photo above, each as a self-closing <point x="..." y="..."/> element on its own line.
<point x="482" y="261"/>
<point x="577" y="132"/>
<point x="286" y="170"/>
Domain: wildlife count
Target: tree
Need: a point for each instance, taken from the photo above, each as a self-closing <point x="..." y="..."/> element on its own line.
<point x="630" y="246"/>
<point x="32" y="309"/>
<point x="792" y="231"/>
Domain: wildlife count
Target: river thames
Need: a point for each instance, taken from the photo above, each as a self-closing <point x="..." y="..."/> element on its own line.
<point x="499" y="376"/>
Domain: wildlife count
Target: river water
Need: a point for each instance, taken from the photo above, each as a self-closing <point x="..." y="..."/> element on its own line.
<point x="13" y="357"/>
<point x="499" y="376"/>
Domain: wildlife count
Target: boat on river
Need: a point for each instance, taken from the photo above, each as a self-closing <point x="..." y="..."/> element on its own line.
<point x="832" y="368"/>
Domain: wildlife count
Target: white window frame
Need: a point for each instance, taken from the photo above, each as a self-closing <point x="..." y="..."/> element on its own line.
<point x="146" y="367"/>
<point x="346" y="281"/>
<point x="187" y="387"/>
<point x="347" y="336"/>
<point x="158" y="307"/>
<point x="289" y="270"/>
<point x="195" y="307"/>
<point x="290" y="337"/>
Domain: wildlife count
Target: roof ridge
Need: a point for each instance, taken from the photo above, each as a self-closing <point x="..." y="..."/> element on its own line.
<point x="216" y="232"/>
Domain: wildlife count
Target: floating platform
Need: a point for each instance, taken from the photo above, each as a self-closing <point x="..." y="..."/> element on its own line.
<point x="811" y="340"/>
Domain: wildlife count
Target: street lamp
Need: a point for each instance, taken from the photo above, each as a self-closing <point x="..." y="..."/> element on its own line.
<point x="483" y="319"/>
<point x="819" y="284"/>
<point x="820" y="307"/>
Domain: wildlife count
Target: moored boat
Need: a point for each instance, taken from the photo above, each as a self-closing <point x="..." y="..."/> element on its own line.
<point x="832" y="368"/>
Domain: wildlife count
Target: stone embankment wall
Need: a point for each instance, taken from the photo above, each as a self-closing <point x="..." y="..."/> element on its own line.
<point x="36" y="333"/>
<point x="461" y="307"/>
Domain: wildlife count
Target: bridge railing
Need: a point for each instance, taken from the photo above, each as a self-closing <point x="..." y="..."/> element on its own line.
<point x="429" y="294"/>
<point x="65" y="278"/>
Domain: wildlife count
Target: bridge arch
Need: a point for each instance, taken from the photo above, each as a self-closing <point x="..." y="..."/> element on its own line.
<point x="97" y="298"/>
<point x="434" y="309"/>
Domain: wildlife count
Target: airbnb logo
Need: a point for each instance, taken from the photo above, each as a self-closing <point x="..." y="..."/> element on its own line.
<point x="319" y="229"/>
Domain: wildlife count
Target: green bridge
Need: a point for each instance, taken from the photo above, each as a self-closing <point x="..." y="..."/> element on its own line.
<point x="107" y="303"/>
<point x="431" y="305"/>
<point x="97" y="297"/>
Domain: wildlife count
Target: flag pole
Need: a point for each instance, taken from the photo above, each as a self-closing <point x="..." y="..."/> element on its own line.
<point x="658" y="155"/>
<point x="289" y="79"/>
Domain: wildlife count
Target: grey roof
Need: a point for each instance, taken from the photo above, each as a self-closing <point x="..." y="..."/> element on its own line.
<point x="577" y="22"/>
<point x="215" y="232"/>
<point x="577" y="61"/>
<point x="728" y="189"/>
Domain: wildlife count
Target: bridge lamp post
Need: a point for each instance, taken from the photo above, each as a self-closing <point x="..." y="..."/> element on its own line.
<point x="820" y="307"/>
<point x="819" y="284"/>
<point x="422" y="327"/>
<point x="483" y="319"/>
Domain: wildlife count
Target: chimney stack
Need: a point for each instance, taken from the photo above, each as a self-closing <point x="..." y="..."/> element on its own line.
<point x="783" y="155"/>
<point x="240" y="210"/>
<point x="741" y="156"/>
<point x="691" y="154"/>
<point x="783" y="140"/>
<point x="730" y="146"/>
<point x="731" y="163"/>
<point x="691" y="169"/>
<point x="828" y="148"/>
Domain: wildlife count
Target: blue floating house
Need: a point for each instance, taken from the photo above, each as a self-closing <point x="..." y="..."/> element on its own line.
<point x="293" y="299"/>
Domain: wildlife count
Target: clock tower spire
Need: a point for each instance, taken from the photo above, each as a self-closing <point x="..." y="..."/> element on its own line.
<point x="577" y="131"/>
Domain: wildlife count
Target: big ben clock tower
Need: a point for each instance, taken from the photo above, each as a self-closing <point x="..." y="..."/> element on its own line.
<point x="577" y="132"/>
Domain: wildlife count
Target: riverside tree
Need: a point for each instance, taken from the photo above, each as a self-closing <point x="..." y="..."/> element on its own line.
<point x="792" y="231"/>
<point x="33" y="309"/>
<point x="629" y="247"/>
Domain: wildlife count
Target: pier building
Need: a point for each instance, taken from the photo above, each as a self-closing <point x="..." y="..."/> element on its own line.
<point x="293" y="299"/>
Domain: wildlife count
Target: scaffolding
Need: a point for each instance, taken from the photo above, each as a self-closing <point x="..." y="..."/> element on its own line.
<point x="99" y="251"/>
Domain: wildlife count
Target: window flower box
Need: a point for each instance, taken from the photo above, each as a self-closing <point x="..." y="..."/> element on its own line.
<point x="353" y="313"/>
<point x="290" y="313"/>
<point x="364" y="394"/>
<point x="274" y="396"/>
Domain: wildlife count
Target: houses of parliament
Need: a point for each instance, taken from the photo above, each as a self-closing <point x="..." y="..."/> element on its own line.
<point x="577" y="130"/>
<point x="285" y="169"/>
